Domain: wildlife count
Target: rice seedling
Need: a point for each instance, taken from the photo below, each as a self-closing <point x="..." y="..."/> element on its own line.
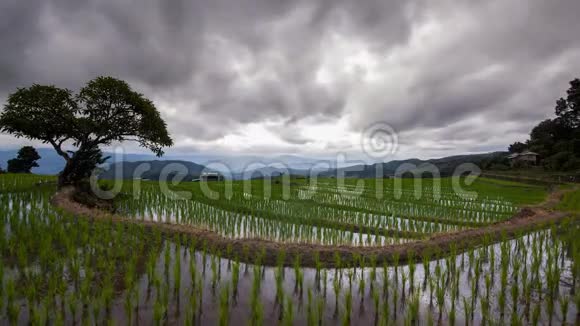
<point x="413" y="308"/>
<point x="224" y="316"/>
<point x="346" y="318"/>
<point x="256" y="312"/>
<point x="564" y="302"/>
<point x="288" y="315"/>
<point x="336" y="287"/>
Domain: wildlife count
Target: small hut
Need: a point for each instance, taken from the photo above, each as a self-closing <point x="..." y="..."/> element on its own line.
<point x="523" y="158"/>
<point x="211" y="176"/>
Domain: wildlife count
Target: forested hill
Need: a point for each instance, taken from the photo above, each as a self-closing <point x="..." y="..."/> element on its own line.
<point x="445" y="165"/>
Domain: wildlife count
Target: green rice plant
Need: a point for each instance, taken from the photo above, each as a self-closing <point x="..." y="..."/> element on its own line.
<point x="318" y="266"/>
<point x="466" y="309"/>
<point x="396" y="257"/>
<point x="515" y="294"/>
<point x="107" y="294"/>
<point x="311" y="318"/>
<point x="395" y="300"/>
<point x="288" y="316"/>
<point x="346" y="317"/>
<point x="224" y="314"/>
<point x="426" y="259"/>
<point x="502" y="303"/>
<point x="385" y="282"/>
<point x="485" y="308"/>
<point x="338" y="264"/>
<point x="256" y="310"/>
<point x="150" y="268"/>
<point x="515" y="319"/>
<point x="403" y="283"/>
<point x="440" y="296"/>
<point x="278" y="277"/>
<point x="166" y="260"/>
<point x="39" y="315"/>
<point x="577" y="301"/>
<point x="235" y="278"/>
<point x="550" y="307"/>
<point x="177" y="274"/>
<point x="203" y="258"/>
<point x="195" y="299"/>
<point x="413" y="308"/>
<point x="320" y="306"/>
<point x="411" y="270"/>
<point x="129" y="307"/>
<point x="72" y="302"/>
<point x="385" y="318"/>
<point x="214" y="272"/>
<point x="536" y="314"/>
<point x="159" y="312"/>
<point x="564" y="302"/>
<point x="298" y="275"/>
<point x="350" y="274"/>
<point x="96" y="309"/>
<point x="336" y="287"/>
<point x="361" y="288"/>
<point x="376" y="302"/>
<point x="324" y="282"/>
<point x="431" y="291"/>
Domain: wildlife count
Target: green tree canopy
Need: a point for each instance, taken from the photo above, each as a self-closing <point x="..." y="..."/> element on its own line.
<point x="558" y="140"/>
<point x="568" y="109"/>
<point x="25" y="161"/>
<point x="104" y="111"/>
<point x="517" y="147"/>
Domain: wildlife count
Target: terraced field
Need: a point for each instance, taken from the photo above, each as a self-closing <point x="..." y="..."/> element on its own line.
<point x="347" y="251"/>
<point x="330" y="215"/>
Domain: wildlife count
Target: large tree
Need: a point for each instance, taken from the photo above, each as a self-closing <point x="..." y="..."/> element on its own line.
<point x="568" y="109"/>
<point x="517" y="147"/>
<point x="558" y="140"/>
<point x="106" y="110"/>
<point x="25" y="161"/>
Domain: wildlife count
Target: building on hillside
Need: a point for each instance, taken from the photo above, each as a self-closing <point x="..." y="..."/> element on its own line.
<point x="211" y="176"/>
<point x="523" y="158"/>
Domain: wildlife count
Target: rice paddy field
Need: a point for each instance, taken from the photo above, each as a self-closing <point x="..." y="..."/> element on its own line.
<point x="62" y="268"/>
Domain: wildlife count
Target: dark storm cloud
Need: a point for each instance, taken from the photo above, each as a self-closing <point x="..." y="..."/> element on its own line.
<point x="214" y="66"/>
<point x="168" y="48"/>
<point x="18" y="28"/>
<point x="506" y="59"/>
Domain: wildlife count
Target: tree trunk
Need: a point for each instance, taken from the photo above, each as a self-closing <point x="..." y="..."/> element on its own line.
<point x="80" y="165"/>
<point x="64" y="177"/>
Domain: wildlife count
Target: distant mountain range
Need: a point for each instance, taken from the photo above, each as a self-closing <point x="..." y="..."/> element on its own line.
<point x="51" y="163"/>
<point x="446" y="166"/>
<point x="245" y="167"/>
<point x="153" y="170"/>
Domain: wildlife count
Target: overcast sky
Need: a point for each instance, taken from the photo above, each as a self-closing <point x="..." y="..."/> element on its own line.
<point x="308" y="77"/>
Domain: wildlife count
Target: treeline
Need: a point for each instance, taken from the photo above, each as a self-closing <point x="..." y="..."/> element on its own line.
<point x="557" y="140"/>
<point x="24" y="161"/>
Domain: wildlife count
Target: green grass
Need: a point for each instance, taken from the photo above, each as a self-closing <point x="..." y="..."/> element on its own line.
<point x="570" y="202"/>
<point x="500" y="182"/>
<point x="517" y="192"/>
